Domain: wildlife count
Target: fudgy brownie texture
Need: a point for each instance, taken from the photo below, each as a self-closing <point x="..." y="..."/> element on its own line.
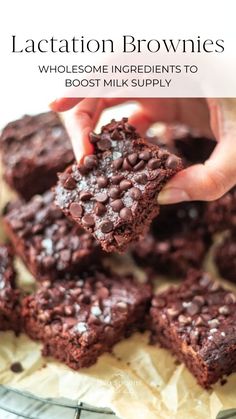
<point x="221" y="214"/>
<point x="9" y="295"/>
<point x="51" y="245"/>
<point x="178" y="240"/>
<point x="225" y="257"/>
<point x="197" y="322"/>
<point x="34" y="149"/>
<point x="113" y="194"/>
<point x="79" y="320"/>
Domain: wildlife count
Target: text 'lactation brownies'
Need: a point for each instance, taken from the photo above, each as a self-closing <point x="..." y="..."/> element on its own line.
<point x="113" y="193"/>
<point x="197" y="322"/>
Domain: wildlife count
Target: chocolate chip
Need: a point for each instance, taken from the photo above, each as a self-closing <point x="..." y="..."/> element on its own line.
<point x="106" y="226"/>
<point x="140" y="165"/>
<point x="145" y="155"/>
<point x="114" y="192"/>
<point x="48" y="262"/>
<point x="172" y="312"/>
<point x="126" y="214"/>
<point x="135" y="194"/>
<point x="101" y="197"/>
<point x="230" y="298"/>
<point x="104" y="144"/>
<point x="141" y="179"/>
<point x="88" y="220"/>
<point x="76" y="210"/>
<point x="65" y="255"/>
<point x="117" y="163"/>
<point x="116" y="179"/>
<point x="192" y="309"/>
<point x="199" y="321"/>
<point x="126" y="165"/>
<point x="184" y="320"/>
<point x="85" y="196"/>
<point x="94" y="138"/>
<point x="154" y="164"/>
<point x="158" y="302"/>
<point x="172" y="162"/>
<point x="163" y="154"/>
<point x="117" y="205"/>
<point x="213" y="323"/>
<point x="90" y="162"/>
<point x="125" y="184"/>
<point x="116" y="135"/>
<point x="17" y="367"/>
<point x="132" y="158"/>
<point x="199" y="299"/>
<point x="224" y="310"/>
<point x="67" y="181"/>
<point x="102" y="181"/>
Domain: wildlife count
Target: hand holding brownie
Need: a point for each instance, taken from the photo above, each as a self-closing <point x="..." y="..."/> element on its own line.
<point x="207" y="181"/>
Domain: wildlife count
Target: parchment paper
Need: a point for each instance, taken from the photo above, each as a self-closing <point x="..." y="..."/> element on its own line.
<point x="136" y="381"/>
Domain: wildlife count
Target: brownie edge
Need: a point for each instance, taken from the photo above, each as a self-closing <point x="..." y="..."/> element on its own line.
<point x="197" y="322"/>
<point x="79" y="320"/>
<point x="113" y="193"/>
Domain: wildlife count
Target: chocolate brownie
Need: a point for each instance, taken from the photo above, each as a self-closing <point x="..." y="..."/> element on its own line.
<point x="9" y="295"/>
<point x="34" y="149"/>
<point x="51" y="245"/>
<point x="79" y="320"/>
<point x="197" y="322"/>
<point x="225" y="257"/>
<point x="178" y="240"/>
<point x="113" y="194"/>
<point x="221" y="214"/>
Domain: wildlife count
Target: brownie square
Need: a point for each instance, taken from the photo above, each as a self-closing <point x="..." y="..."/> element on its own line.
<point x="197" y="322"/>
<point x="221" y="214"/>
<point x="79" y="320"/>
<point x="225" y="257"/>
<point x="52" y="246"/>
<point x="9" y="295"/>
<point x="178" y="240"/>
<point x="113" y="193"/>
<point x="34" y="149"/>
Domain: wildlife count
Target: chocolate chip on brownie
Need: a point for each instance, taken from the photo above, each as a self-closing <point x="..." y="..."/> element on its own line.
<point x="79" y="319"/>
<point x="197" y="322"/>
<point x="51" y="245"/>
<point x="124" y="176"/>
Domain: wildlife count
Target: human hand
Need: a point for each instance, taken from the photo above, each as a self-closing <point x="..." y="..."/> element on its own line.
<point x="206" y="181"/>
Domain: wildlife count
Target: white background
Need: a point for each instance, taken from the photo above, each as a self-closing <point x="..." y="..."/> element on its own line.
<point x="23" y="90"/>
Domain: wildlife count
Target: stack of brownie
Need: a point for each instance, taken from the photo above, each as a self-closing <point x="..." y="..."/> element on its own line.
<point x="108" y="202"/>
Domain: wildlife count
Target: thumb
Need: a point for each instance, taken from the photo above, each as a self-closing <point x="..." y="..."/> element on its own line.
<point x="204" y="182"/>
<point x="209" y="181"/>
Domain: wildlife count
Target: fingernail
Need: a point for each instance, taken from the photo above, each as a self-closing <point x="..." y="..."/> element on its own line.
<point x="52" y="104"/>
<point x="172" y="196"/>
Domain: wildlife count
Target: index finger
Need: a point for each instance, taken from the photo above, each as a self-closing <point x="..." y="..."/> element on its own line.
<point x="64" y="103"/>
